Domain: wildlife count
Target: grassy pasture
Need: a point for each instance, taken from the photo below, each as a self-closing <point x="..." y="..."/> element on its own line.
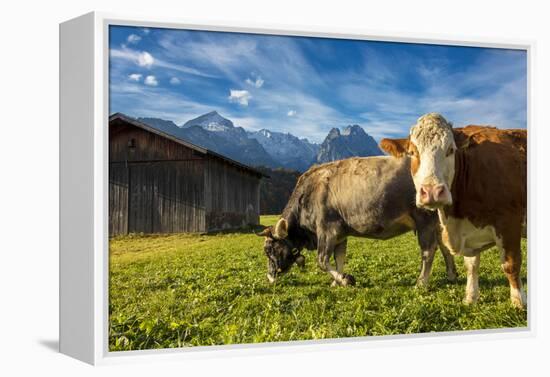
<point x="189" y="289"/>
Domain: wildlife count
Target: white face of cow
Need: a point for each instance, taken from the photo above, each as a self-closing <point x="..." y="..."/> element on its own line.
<point x="432" y="149"/>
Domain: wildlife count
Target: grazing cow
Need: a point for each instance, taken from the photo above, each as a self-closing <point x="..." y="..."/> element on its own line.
<point x="475" y="177"/>
<point x="368" y="197"/>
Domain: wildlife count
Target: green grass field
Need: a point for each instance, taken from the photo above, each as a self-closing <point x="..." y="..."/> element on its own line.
<point x="189" y="290"/>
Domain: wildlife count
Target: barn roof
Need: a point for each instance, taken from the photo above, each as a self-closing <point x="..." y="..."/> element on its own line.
<point x="199" y="149"/>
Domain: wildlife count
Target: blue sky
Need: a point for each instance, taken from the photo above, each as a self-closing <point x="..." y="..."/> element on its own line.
<point x="306" y="86"/>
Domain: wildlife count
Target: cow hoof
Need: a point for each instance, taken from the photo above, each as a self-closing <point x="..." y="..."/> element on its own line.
<point x="469" y="300"/>
<point x="452" y="279"/>
<point x="421" y="284"/>
<point x="518" y="304"/>
<point x="348" y="280"/>
<point x="518" y="300"/>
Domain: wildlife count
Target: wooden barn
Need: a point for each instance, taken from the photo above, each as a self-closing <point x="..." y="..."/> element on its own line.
<point x="161" y="184"/>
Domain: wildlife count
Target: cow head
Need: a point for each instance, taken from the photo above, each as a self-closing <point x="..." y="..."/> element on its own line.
<point x="280" y="252"/>
<point x="431" y="147"/>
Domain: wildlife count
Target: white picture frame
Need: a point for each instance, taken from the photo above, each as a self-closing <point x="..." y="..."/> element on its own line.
<point x="84" y="57"/>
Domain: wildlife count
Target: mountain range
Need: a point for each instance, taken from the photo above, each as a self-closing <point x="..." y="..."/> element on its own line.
<point x="288" y="150"/>
<point x="351" y="141"/>
<point x="265" y="147"/>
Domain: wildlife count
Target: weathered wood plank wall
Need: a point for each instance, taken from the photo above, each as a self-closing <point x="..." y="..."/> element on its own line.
<point x="166" y="197"/>
<point x="118" y="200"/>
<point x="157" y="185"/>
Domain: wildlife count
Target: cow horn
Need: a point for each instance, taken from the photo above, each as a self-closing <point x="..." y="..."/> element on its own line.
<point x="266" y="232"/>
<point x="281" y="229"/>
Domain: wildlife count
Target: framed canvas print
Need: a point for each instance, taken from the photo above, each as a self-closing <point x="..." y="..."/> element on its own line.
<point x="228" y="189"/>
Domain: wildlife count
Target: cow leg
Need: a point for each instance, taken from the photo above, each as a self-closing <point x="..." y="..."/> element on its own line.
<point x="340" y="256"/>
<point x="472" y="279"/>
<point x="339" y="259"/>
<point x="511" y="265"/>
<point x="427" y="240"/>
<point x="450" y="265"/>
<point x="427" y="258"/>
<point x="325" y="248"/>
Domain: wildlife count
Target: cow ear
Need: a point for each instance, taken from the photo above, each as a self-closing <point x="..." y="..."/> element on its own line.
<point x="462" y="140"/>
<point x="281" y="229"/>
<point x="395" y="147"/>
<point x="265" y="233"/>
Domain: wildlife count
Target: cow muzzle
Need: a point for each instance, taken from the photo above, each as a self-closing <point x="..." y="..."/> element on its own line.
<point x="434" y="196"/>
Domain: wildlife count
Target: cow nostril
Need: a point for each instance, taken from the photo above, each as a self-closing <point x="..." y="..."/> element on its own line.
<point x="439" y="191"/>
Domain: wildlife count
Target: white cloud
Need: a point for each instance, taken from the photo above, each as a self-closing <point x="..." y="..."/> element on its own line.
<point x="135" y="76"/>
<point x="291" y="113"/>
<point x="151" y="80"/>
<point x="133" y="38"/>
<point x="182" y="68"/>
<point x="145" y="59"/>
<point x="175" y="81"/>
<point x="257" y="83"/>
<point x="240" y="96"/>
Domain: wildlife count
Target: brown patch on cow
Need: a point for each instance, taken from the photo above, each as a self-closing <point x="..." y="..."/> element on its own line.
<point x="490" y="186"/>
<point x="395" y="147"/>
<point x="474" y="135"/>
<point x="512" y="270"/>
<point x="415" y="158"/>
<point x="490" y="175"/>
<point x="402" y="147"/>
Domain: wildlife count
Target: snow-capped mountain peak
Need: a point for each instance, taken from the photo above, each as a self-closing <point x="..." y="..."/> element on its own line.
<point x="351" y="141"/>
<point x="266" y="147"/>
<point x="352" y="129"/>
<point x="265" y="133"/>
<point x="286" y="148"/>
<point x="211" y="121"/>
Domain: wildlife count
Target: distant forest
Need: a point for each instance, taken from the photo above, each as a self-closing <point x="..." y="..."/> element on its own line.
<point x="276" y="190"/>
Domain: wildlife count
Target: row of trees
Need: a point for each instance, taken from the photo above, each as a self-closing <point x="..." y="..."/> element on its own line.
<point x="276" y="190"/>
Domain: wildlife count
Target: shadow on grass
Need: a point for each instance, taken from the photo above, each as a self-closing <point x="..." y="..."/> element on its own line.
<point x="250" y="229"/>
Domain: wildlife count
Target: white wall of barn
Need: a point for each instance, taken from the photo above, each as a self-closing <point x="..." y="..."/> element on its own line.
<point x="29" y="189"/>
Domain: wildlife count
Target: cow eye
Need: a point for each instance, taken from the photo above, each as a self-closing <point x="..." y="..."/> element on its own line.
<point x="450" y="151"/>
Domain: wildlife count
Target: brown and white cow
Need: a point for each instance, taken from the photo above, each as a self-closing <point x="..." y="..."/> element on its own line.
<point x="476" y="179"/>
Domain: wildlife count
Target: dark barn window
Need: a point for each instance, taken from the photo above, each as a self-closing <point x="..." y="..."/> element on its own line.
<point x="132" y="144"/>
